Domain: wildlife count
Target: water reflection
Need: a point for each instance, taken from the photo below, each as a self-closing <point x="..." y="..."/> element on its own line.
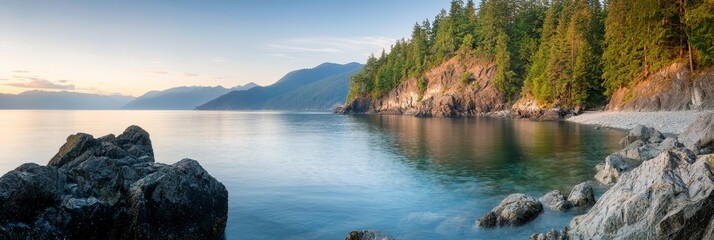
<point x="512" y="155"/>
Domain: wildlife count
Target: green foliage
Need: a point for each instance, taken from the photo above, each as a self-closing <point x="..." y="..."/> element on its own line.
<point x="566" y="52"/>
<point x="465" y="77"/>
<point x="566" y="68"/>
<point x="643" y="36"/>
<point x="700" y="29"/>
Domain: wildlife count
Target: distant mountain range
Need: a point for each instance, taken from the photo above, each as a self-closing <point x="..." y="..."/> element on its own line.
<point x="319" y="88"/>
<point x="62" y="100"/>
<point x="181" y="98"/>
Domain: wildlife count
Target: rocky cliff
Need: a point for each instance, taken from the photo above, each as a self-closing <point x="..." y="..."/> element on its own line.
<point x="673" y="88"/>
<point x="668" y="193"/>
<point x="457" y="88"/>
<point x="111" y="188"/>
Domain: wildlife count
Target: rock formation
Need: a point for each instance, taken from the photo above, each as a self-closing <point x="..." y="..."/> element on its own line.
<point x="643" y="144"/>
<point x="515" y="210"/>
<point x="367" y="235"/>
<point x="457" y="88"/>
<point x="670" y="89"/>
<point x="556" y="201"/>
<point x="111" y="188"/>
<point x="582" y="195"/>
<point x="669" y="197"/>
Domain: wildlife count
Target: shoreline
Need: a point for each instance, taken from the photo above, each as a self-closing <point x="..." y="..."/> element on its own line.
<point x="669" y="122"/>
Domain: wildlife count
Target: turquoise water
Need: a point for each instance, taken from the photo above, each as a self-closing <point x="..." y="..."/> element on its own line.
<point x="319" y="176"/>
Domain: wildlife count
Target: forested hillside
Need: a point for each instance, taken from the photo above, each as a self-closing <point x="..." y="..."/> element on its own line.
<point x="565" y="53"/>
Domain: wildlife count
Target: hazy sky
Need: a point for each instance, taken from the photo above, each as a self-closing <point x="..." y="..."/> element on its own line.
<point x="131" y="47"/>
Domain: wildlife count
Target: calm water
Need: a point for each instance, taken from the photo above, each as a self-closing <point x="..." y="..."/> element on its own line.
<point x="319" y="176"/>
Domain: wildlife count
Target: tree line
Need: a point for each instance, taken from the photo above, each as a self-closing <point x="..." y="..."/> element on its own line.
<point x="562" y="52"/>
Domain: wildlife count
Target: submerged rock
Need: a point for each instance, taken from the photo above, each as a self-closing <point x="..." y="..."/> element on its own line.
<point x="582" y="195"/>
<point x="668" y="197"/>
<point x="515" y="210"/>
<point x="556" y="201"/>
<point x="551" y="235"/>
<point x="111" y="188"/>
<point x="367" y="235"/>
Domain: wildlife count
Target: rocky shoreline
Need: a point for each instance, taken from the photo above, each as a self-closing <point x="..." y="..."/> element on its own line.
<point x="660" y="188"/>
<point x="669" y="122"/>
<point x="111" y="188"/>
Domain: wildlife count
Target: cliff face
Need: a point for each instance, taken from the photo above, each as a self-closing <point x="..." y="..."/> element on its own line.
<point x="456" y="88"/>
<point x="671" y="89"/>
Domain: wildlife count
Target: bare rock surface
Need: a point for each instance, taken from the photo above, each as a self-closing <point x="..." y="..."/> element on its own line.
<point x="368" y="235"/>
<point x="669" y="197"/>
<point x="582" y="195"/>
<point x="515" y="210"/>
<point x="556" y="201"/>
<point x="111" y="188"/>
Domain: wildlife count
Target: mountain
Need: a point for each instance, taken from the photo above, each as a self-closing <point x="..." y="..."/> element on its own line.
<point x="61" y="100"/>
<point x="317" y="88"/>
<point x="181" y="98"/>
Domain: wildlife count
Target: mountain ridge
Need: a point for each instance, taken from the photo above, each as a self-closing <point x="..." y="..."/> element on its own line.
<point x="269" y="97"/>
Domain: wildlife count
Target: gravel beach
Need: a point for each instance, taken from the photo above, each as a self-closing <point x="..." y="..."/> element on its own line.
<point x="666" y="122"/>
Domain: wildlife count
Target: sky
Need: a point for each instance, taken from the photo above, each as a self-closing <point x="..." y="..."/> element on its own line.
<point x="131" y="47"/>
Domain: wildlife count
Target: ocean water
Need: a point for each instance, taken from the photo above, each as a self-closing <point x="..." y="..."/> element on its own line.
<point x="320" y="176"/>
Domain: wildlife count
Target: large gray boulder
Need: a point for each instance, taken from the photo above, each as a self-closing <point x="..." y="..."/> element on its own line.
<point x="555" y="200"/>
<point x="642" y="133"/>
<point x="368" y="235"/>
<point x="111" y="188"/>
<point x="582" y="195"/>
<point x="614" y="166"/>
<point x="515" y="210"/>
<point x="551" y="235"/>
<point x="699" y="134"/>
<point x="668" y="197"/>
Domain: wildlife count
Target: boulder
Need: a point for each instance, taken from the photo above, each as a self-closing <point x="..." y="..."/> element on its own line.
<point x="699" y="134"/>
<point x="111" y="188"/>
<point x="551" y="235"/>
<point x="614" y="166"/>
<point x="515" y="210"/>
<point x="643" y="144"/>
<point x="582" y="195"/>
<point x="367" y="235"/>
<point x="668" y="197"/>
<point x="555" y="200"/>
<point x="642" y="133"/>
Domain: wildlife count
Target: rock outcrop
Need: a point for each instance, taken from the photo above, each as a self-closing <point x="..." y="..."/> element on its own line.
<point x="515" y="210"/>
<point x="367" y="235"/>
<point x="111" y="188"/>
<point x="527" y="107"/>
<point x="670" y="89"/>
<point x="669" y="197"/>
<point x="460" y="87"/>
<point x="551" y="235"/>
<point x="582" y="195"/>
<point x="556" y="201"/>
<point x="699" y="136"/>
<point x="643" y="144"/>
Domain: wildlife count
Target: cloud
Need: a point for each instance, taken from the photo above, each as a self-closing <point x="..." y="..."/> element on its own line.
<point x="20" y="71"/>
<point x="35" y="82"/>
<point x="317" y="45"/>
<point x="62" y="81"/>
<point x="188" y="74"/>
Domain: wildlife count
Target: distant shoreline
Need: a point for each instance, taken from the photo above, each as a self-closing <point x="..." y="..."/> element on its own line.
<point x="672" y="122"/>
